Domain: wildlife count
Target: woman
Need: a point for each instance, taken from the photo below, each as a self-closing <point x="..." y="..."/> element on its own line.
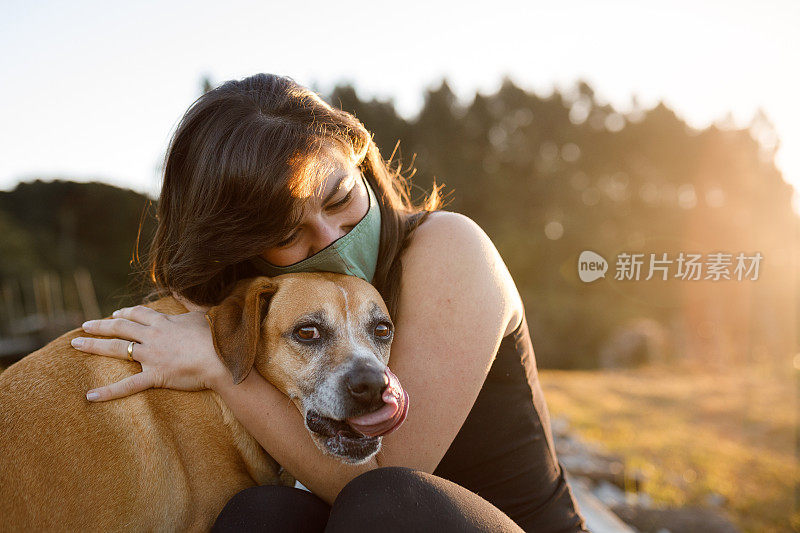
<point x="263" y="177"/>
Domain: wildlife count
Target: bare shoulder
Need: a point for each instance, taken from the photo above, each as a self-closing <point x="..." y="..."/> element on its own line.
<point x="456" y="302"/>
<point x="453" y="249"/>
<point x="444" y="223"/>
<point x="443" y="231"/>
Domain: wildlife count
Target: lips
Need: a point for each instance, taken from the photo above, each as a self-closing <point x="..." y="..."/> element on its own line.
<point x="389" y="417"/>
<point x="342" y="440"/>
<point x="328" y="427"/>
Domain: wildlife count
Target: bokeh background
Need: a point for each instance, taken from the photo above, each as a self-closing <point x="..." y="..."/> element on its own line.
<point x="617" y="127"/>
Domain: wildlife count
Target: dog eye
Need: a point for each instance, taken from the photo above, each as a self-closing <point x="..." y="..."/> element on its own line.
<point x="307" y="333"/>
<point x="383" y="330"/>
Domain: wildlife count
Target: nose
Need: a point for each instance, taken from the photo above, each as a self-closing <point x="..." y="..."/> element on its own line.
<point x="366" y="383"/>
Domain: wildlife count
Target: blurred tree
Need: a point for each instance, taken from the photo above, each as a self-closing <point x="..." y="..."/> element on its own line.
<point x="546" y="177"/>
<point x="549" y="177"/>
<point x="17" y="250"/>
<point x="206" y="84"/>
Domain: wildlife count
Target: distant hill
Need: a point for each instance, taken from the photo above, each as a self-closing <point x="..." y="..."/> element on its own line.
<point x="63" y="225"/>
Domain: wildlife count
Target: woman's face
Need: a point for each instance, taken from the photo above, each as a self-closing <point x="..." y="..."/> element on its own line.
<point x="333" y="210"/>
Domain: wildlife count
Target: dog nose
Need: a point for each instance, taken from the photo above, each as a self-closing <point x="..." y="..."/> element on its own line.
<point x="366" y="384"/>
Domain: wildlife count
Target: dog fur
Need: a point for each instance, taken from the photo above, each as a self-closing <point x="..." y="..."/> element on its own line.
<point x="162" y="459"/>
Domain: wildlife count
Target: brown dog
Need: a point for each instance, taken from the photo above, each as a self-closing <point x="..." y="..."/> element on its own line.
<point x="169" y="460"/>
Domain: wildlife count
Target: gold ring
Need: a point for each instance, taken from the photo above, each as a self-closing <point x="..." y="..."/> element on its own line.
<point x="130" y="351"/>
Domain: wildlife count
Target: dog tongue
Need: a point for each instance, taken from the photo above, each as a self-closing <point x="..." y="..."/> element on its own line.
<point x="389" y="417"/>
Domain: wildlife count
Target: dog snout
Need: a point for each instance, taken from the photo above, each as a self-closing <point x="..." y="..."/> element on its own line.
<point x="366" y="383"/>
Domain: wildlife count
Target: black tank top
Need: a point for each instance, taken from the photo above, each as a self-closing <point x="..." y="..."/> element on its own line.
<point x="504" y="452"/>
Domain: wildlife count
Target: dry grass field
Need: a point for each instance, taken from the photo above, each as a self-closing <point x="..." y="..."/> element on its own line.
<point x="695" y="432"/>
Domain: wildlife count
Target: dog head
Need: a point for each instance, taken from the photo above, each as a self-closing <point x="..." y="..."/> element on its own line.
<point x="323" y="339"/>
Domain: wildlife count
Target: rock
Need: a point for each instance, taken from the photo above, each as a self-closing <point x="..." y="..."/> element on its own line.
<point x="559" y="426"/>
<point x="599" y="469"/>
<point x="599" y="518"/>
<point x="715" y="499"/>
<point x="675" y="519"/>
<point x="638" y="341"/>
<point x="641" y="499"/>
<point x="609" y="494"/>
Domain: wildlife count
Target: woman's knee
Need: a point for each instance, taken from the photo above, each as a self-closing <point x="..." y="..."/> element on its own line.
<point x="389" y="487"/>
<point x="273" y="507"/>
<point x="405" y="499"/>
<point x="391" y="476"/>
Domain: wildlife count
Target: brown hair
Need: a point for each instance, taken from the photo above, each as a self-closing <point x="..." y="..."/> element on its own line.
<point x="230" y="172"/>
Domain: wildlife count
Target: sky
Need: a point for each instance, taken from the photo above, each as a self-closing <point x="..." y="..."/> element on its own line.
<point x="92" y="90"/>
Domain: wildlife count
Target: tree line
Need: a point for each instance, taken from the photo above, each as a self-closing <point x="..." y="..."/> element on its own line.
<point x="546" y="177"/>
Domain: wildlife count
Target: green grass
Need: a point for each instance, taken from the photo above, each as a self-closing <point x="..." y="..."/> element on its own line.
<point x="693" y="432"/>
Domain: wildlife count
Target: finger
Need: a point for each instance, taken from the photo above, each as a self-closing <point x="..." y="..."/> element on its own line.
<point x="139" y="313"/>
<point x="126" y="387"/>
<point x="110" y="347"/>
<point x="116" y="327"/>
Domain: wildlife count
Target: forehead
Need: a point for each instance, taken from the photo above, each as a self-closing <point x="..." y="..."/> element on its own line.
<point x="317" y="172"/>
<point x="312" y="296"/>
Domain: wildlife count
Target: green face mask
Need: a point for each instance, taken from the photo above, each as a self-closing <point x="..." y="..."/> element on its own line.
<point x="355" y="253"/>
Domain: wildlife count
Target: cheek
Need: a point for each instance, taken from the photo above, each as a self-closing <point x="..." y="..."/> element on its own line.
<point x="358" y="207"/>
<point x="285" y="371"/>
<point x="284" y="256"/>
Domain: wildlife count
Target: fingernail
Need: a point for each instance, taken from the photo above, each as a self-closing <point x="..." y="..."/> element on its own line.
<point x="77" y="342"/>
<point x="91" y="396"/>
<point x="115" y="313"/>
<point x="88" y="323"/>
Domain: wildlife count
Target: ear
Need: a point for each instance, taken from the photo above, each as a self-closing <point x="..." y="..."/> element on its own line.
<point x="236" y="324"/>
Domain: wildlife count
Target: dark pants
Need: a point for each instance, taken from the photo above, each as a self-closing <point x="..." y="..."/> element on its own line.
<point x="386" y="499"/>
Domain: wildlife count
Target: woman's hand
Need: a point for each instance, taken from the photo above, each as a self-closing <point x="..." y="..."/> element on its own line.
<point x="175" y="351"/>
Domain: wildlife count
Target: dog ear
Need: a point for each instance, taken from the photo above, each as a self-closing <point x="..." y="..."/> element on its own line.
<point x="236" y="324"/>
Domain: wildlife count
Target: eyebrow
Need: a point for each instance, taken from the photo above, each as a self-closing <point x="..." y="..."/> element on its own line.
<point x="335" y="189"/>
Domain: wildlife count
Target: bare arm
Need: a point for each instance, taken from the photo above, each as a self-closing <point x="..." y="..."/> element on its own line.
<point x="274" y="421"/>
<point x="456" y="303"/>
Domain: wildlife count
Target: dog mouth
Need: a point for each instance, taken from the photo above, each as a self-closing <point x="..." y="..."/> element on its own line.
<point x="340" y="439"/>
<point x="357" y="438"/>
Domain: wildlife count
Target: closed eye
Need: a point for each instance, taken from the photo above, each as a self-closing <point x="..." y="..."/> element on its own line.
<point x="343" y="200"/>
<point x="287" y="240"/>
